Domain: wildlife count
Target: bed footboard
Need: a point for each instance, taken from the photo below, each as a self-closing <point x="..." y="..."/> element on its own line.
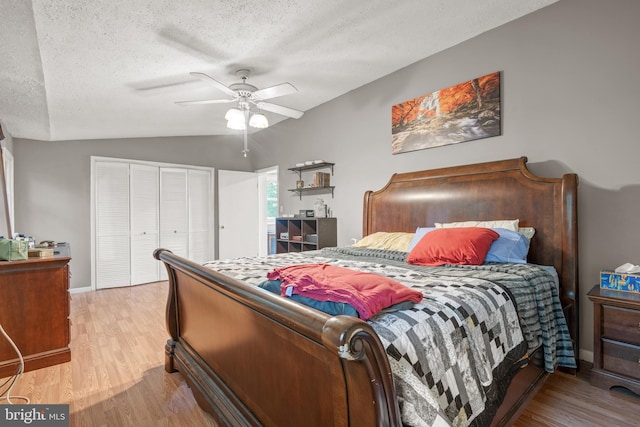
<point x="254" y="358"/>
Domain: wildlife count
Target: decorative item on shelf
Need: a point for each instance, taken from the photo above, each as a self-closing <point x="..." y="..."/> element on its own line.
<point x="299" y="184"/>
<point x="306" y="213"/>
<point x="284" y="236"/>
<point x="320" y="208"/>
<point x="321" y="179"/>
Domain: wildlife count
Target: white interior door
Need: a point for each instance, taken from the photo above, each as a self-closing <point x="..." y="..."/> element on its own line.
<point x="144" y="185"/>
<point x="238" y="215"/>
<point x="112" y="224"/>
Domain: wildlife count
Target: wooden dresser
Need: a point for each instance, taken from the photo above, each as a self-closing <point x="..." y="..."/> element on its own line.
<point x="616" y="352"/>
<point x="34" y="311"/>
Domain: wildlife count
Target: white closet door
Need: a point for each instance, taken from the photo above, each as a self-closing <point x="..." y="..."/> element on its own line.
<point x="112" y="224"/>
<point x="174" y="219"/>
<point x="200" y="216"/>
<point x="145" y="221"/>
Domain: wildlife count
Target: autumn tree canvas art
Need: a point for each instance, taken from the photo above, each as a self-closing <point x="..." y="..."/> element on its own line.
<point x="464" y="112"/>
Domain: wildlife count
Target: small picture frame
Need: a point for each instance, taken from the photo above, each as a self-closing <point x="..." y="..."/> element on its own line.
<point x="299" y="184"/>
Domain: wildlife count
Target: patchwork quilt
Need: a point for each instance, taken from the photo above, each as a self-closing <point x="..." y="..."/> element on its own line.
<point x="453" y="354"/>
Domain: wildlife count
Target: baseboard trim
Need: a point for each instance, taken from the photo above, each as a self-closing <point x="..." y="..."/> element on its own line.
<point x="586" y="355"/>
<point x="79" y="290"/>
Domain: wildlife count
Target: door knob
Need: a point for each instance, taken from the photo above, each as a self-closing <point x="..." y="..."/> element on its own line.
<point x="221" y="227"/>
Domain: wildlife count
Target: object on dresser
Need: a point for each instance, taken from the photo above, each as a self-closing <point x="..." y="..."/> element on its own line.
<point x="627" y="267"/>
<point x="47" y="244"/>
<point x="13" y="250"/>
<point x="626" y="282"/>
<point x="40" y="252"/>
<point x="624" y="278"/>
<point x="306" y="213"/>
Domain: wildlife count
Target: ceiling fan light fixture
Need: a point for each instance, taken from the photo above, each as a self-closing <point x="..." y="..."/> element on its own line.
<point x="237" y="123"/>
<point x="234" y="114"/>
<point x="259" y="120"/>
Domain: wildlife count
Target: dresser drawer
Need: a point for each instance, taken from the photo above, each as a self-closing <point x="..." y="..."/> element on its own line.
<point x="621" y="358"/>
<point x="621" y="324"/>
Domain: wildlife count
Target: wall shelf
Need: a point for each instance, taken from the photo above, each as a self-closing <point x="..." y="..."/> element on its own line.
<point x="322" y="165"/>
<point x="301" y="191"/>
<point x="314" y="166"/>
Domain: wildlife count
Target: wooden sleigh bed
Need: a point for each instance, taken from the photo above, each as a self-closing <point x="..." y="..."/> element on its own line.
<point x="255" y="358"/>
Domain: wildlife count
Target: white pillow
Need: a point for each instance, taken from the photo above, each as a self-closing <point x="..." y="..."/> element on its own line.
<point x="509" y="224"/>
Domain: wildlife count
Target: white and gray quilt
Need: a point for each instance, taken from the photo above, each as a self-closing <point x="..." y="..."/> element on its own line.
<point x="453" y="354"/>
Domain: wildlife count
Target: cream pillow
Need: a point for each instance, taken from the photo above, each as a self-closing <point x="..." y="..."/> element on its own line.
<point x="389" y="241"/>
<point x="527" y="232"/>
<point x="509" y="224"/>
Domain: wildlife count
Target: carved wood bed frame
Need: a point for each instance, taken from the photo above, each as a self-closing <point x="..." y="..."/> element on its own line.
<point x="254" y="358"/>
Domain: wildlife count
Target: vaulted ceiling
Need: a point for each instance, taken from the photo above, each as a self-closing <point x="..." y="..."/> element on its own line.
<point x="94" y="69"/>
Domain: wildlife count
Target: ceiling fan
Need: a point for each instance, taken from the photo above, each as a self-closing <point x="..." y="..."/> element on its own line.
<point x="248" y="99"/>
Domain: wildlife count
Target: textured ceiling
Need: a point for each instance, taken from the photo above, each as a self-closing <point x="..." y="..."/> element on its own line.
<point x="92" y="69"/>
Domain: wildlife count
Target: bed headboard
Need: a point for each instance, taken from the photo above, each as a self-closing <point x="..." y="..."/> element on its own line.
<point x="503" y="189"/>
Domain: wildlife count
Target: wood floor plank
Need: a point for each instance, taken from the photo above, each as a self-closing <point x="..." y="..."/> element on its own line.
<point x="116" y="375"/>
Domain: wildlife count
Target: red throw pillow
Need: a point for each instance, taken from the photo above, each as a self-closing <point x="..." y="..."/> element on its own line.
<point x="464" y="245"/>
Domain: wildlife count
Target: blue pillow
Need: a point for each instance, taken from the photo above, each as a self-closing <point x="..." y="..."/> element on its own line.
<point x="329" y="307"/>
<point x="420" y="232"/>
<point x="509" y="247"/>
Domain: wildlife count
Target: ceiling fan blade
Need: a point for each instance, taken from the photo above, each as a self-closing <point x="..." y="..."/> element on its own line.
<point x="221" y="87"/>
<point x="275" y="91"/>
<point x="279" y="109"/>
<point x="205" y="101"/>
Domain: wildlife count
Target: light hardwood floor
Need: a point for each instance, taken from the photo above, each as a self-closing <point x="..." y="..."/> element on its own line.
<point x="116" y="375"/>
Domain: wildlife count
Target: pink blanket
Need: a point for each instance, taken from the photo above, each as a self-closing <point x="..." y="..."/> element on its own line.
<point x="368" y="293"/>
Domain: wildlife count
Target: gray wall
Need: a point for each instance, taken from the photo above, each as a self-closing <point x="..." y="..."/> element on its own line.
<point x="52" y="183"/>
<point x="570" y="99"/>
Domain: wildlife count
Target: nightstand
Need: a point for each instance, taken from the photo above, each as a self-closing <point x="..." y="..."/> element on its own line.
<point x="616" y="346"/>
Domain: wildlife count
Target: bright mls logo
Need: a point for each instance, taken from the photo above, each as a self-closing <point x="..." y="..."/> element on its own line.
<point x="34" y="415"/>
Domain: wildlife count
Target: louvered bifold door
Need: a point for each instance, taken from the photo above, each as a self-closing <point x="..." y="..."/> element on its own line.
<point x="144" y="187"/>
<point x="112" y="224"/>
<point x="173" y="212"/>
<point x="200" y="216"/>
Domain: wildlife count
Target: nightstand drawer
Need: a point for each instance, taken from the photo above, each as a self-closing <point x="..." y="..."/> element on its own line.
<point x="623" y="359"/>
<point x="621" y="324"/>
